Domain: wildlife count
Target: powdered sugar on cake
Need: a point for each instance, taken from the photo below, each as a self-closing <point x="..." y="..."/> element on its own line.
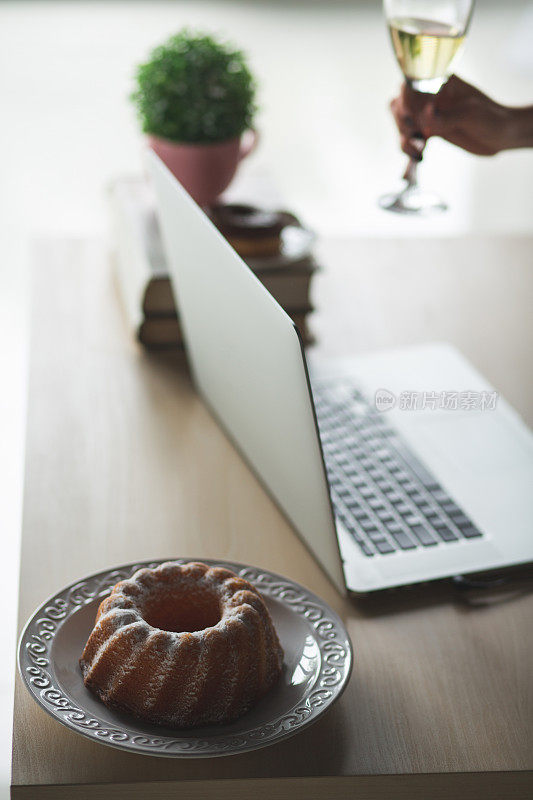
<point x="182" y="645"/>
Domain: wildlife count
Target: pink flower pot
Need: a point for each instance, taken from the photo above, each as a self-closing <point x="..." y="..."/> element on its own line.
<point x="204" y="170"/>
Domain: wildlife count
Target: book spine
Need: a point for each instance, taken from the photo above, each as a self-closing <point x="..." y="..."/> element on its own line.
<point x="165" y="332"/>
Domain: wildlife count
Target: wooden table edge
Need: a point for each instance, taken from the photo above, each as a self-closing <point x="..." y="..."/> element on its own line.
<point x="438" y="786"/>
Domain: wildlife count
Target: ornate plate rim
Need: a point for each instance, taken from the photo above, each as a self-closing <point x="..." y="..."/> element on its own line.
<point x="38" y="672"/>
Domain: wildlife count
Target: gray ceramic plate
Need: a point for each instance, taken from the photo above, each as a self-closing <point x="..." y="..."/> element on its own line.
<point x="316" y="668"/>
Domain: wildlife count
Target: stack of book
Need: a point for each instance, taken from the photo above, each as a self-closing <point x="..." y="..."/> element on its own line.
<point x="275" y="246"/>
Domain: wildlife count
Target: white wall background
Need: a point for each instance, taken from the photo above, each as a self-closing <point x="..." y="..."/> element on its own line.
<point x="326" y="73"/>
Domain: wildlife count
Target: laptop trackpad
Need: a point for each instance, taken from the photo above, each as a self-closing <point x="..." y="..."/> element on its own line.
<point x="481" y="443"/>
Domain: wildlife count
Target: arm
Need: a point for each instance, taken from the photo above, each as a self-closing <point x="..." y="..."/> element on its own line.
<point x="462" y="115"/>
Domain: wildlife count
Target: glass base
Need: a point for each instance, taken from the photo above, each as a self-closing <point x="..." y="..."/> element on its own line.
<point x="413" y="200"/>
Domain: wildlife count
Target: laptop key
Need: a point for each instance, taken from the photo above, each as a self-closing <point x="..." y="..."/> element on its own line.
<point x="460" y="520"/>
<point x="403" y="541"/>
<point x="423" y="535"/>
<point x="392" y="493"/>
<point x="383" y="546"/>
<point x="357" y="535"/>
<point x="363" y="544"/>
<point x="367" y="524"/>
<point x="375" y="534"/>
<point x="352" y="471"/>
<point x="417" y="498"/>
<point x="395" y="498"/>
<point x="412" y="519"/>
<point x="440" y="496"/>
<point x="403" y="509"/>
<point x="470" y="532"/>
<point x="449" y="506"/>
<point x="353" y="503"/>
<point x="344" y="491"/>
<point x="365" y="548"/>
<point x="376" y="503"/>
<point x="382" y="453"/>
<point x="393" y="527"/>
<point x="355" y="513"/>
<point x="446" y="534"/>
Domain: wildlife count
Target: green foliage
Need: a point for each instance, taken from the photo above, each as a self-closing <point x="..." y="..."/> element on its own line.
<point x="194" y="89"/>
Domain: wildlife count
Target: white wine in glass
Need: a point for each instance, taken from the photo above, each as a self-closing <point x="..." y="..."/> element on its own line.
<point x="425" y="50"/>
<point x="426" y="36"/>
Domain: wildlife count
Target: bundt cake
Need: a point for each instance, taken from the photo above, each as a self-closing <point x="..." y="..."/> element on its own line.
<point x="182" y="645"/>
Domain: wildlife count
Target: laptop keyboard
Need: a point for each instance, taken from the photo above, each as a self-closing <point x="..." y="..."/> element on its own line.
<point x="383" y="495"/>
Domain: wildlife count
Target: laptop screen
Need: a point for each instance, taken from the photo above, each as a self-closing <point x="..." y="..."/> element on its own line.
<point x="248" y="364"/>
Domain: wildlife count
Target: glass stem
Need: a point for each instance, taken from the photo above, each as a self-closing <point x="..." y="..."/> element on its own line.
<point x="410" y="173"/>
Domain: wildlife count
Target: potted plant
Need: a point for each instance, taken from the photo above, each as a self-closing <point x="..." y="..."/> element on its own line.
<point x="195" y="99"/>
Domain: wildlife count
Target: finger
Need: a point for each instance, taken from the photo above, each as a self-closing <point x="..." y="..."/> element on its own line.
<point x="435" y="120"/>
<point x="413" y="107"/>
<point x="408" y="94"/>
<point x="405" y="122"/>
<point x="397" y="110"/>
<point x="412" y="147"/>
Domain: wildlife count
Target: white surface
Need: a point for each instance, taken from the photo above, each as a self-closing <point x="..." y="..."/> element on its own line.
<point x="326" y="72"/>
<point x="251" y="371"/>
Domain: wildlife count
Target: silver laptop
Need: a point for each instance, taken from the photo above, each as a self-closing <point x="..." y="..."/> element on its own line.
<point x="394" y="468"/>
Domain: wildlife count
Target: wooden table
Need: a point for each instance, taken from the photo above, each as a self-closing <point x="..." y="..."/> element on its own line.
<point x="124" y="463"/>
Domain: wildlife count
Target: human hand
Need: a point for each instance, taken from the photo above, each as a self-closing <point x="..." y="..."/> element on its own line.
<point x="462" y="115"/>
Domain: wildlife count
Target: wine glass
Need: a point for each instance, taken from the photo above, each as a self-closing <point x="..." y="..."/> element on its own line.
<point x="426" y="36"/>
